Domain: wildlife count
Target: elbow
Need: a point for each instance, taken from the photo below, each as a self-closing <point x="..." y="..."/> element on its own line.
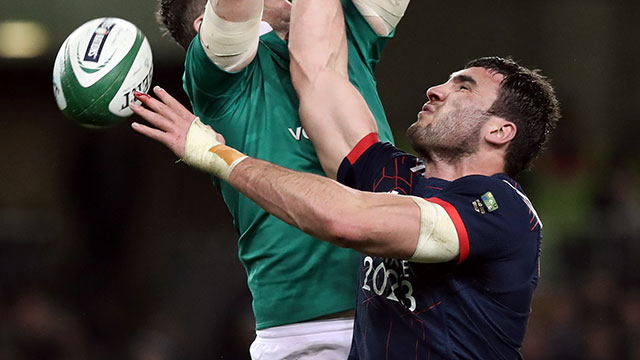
<point x="301" y="73"/>
<point x="306" y="70"/>
<point x="343" y="229"/>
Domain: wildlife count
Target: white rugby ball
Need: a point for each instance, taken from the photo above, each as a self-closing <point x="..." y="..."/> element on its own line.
<point x="97" y="69"/>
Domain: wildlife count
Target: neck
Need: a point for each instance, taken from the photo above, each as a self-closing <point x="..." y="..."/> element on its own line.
<point x="474" y="164"/>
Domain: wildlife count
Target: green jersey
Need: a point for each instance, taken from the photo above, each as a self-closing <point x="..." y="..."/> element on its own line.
<point x="292" y="276"/>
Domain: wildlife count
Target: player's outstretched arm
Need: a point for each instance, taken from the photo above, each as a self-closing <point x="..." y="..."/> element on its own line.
<point x="372" y="223"/>
<point x="230" y="32"/>
<point x="332" y="111"/>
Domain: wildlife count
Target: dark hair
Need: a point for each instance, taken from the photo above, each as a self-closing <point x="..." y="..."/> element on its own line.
<point x="527" y="99"/>
<point x="176" y="18"/>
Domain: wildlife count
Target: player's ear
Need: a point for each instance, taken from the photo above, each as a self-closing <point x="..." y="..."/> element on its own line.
<point x="197" y="22"/>
<point x="500" y="131"/>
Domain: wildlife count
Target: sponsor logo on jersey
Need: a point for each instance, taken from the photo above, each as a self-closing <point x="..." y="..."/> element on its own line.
<point x="486" y="203"/>
<point x="489" y="201"/>
<point x="298" y="133"/>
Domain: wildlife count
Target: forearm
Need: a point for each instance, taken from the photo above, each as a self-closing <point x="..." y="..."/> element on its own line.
<point x="230" y="31"/>
<point x="330" y="211"/>
<point x="237" y="10"/>
<point x="336" y="117"/>
<point x="291" y="196"/>
<point x="331" y="110"/>
<point x="317" y="40"/>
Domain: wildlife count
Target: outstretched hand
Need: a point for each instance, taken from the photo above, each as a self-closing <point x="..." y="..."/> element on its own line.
<point x="169" y="120"/>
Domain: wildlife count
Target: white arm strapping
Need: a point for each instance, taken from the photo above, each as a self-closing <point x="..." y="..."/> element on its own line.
<point x="204" y="152"/>
<point x="382" y="15"/>
<point x="230" y="45"/>
<point x="438" y="240"/>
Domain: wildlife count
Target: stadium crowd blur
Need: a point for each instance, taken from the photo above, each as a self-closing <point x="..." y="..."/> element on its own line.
<point x="109" y="250"/>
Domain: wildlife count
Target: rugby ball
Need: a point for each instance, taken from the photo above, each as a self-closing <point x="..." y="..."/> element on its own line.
<point x="97" y="69"/>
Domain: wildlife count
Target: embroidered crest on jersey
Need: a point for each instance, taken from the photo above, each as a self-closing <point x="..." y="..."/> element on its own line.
<point x="489" y="201"/>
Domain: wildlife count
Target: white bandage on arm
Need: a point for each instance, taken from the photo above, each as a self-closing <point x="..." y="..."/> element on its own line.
<point x="203" y="151"/>
<point x="438" y="240"/>
<point x="230" y="45"/>
<point x="382" y="15"/>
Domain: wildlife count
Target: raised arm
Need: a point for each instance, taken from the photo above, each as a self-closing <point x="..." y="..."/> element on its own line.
<point x="230" y="31"/>
<point x="401" y="227"/>
<point x="332" y="111"/>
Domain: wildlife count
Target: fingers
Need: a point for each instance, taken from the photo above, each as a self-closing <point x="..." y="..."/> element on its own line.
<point x="220" y="138"/>
<point x="155" y="134"/>
<point x="155" y="105"/>
<point x="169" y="121"/>
<point x="173" y="104"/>
<point x="152" y="117"/>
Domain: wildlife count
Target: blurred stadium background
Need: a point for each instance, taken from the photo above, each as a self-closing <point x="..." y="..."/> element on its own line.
<point x="109" y="250"/>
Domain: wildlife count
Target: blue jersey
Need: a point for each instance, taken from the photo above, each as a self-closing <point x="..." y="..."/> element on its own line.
<point x="476" y="307"/>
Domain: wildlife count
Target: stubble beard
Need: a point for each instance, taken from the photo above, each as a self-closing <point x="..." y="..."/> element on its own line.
<point x="451" y="137"/>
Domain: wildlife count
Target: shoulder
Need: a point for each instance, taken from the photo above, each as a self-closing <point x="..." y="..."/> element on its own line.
<point x="197" y="60"/>
<point x="380" y="164"/>
<point x="478" y="183"/>
<point x="492" y="194"/>
<point x="383" y="154"/>
<point x="494" y="215"/>
<point x="203" y="78"/>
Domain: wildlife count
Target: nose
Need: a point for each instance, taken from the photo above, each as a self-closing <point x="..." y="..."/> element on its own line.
<point x="436" y="93"/>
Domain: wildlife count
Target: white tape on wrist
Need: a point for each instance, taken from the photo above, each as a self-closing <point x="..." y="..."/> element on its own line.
<point x="438" y="240"/>
<point x="230" y="45"/>
<point x="383" y="13"/>
<point x="203" y="151"/>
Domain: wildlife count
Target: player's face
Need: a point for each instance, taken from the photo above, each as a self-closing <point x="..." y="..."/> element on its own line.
<point x="449" y="125"/>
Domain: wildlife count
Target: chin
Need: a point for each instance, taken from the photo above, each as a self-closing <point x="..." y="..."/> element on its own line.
<point x="425" y="117"/>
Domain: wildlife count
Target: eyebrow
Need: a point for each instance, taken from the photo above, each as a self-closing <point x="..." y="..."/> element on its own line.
<point x="464" y="78"/>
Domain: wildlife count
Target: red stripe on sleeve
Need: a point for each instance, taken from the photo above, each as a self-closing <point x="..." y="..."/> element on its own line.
<point x="362" y="146"/>
<point x="463" y="237"/>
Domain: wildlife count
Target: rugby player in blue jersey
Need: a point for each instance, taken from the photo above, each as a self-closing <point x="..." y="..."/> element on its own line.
<point x="448" y="271"/>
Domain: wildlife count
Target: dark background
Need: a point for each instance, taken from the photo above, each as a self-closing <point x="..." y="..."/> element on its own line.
<point x="109" y="250"/>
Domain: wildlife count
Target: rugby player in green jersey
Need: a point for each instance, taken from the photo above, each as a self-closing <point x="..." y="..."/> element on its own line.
<point x="237" y="78"/>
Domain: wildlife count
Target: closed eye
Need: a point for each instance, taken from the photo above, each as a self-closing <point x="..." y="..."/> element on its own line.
<point x="465" y="82"/>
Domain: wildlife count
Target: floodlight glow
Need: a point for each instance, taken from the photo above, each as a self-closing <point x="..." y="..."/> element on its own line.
<point x="22" y="39"/>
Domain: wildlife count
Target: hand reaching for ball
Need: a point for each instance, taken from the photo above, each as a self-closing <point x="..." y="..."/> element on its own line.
<point x="169" y="120"/>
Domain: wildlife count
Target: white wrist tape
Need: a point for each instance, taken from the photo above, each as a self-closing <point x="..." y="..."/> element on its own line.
<point x="438" y="240"/>
<point x="205" y="153"/>
<point x="230" y="45"/>
<point x="382" y="15"/>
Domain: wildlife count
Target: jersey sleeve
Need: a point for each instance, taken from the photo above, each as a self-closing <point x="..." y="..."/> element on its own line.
<point x="492" y="219"/>
<point x="209" y="87"/>
<point x="367" y="42"/>
<point x="379" y="167"/>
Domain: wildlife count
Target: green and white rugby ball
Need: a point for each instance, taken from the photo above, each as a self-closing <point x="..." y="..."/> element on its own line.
<point x="98" y="68"/>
